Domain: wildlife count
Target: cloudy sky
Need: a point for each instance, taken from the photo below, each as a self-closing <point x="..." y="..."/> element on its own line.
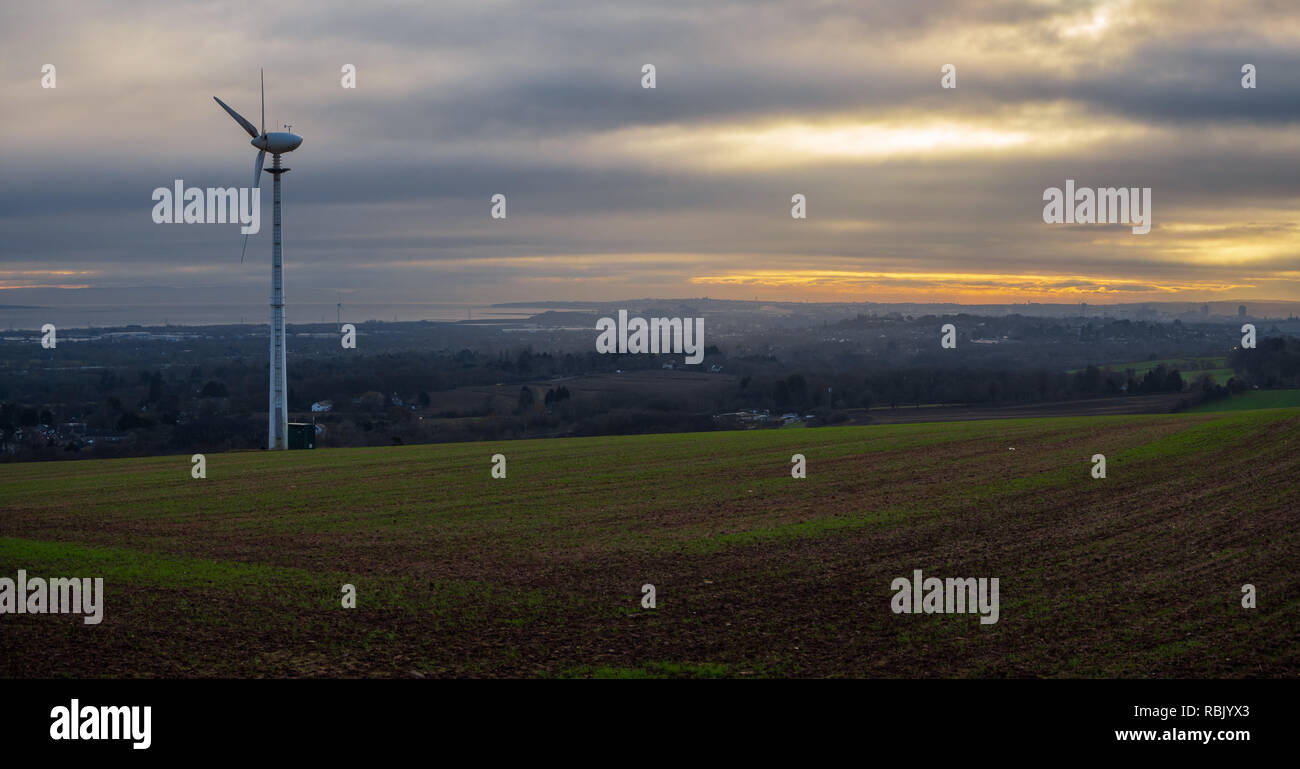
<point x="914" y="192"/>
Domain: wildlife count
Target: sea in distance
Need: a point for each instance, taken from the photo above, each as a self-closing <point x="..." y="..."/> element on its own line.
<point x="107" y="316"/>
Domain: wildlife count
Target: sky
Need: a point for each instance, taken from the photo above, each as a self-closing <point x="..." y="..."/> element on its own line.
<point x="914" y="192"/>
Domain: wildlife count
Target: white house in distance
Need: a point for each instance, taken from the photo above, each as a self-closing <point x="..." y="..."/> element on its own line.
<point x="320" y="407"/>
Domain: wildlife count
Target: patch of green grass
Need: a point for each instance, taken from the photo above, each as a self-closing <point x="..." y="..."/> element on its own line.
<point x="1187" y="367"/>
<point x="298" y="588"/>
<point x="1251" y="400"/>
<point x="1219" y="376"/>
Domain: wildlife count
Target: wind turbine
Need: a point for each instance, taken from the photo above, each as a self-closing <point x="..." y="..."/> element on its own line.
<point x="277" y="143"/>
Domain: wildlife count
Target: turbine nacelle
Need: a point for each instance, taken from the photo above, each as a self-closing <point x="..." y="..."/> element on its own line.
<point x="277" y="142"/>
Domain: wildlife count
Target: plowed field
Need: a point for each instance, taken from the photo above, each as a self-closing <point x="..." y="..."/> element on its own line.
<point x="756" y="573"/>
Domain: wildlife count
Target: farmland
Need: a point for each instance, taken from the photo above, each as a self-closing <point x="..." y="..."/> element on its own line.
<point x="756" y="573"/>
<point x="1190" y="368"/>
<point x="1254" y="399"/>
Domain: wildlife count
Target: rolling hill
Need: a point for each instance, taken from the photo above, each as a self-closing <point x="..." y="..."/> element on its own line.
<point x="756" y="573"/>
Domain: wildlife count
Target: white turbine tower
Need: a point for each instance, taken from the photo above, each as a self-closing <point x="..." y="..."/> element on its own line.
<point x="276" y="143"/>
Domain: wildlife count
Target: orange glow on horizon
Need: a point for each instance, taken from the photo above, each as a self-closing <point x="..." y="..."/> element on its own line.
<point x="971" y="288"/>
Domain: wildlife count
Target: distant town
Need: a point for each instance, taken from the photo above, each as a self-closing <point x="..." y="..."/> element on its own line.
<point x="180" y="388"/>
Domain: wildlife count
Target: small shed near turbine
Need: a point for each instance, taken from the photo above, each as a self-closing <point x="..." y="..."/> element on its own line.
<point x="302" y="435"/>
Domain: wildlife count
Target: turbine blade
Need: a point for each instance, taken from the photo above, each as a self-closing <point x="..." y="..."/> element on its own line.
<point x="252" y="130"/>
<point x="257" y="169"/>
<point x="257" y="180"/>
<point x="263" y="101"/>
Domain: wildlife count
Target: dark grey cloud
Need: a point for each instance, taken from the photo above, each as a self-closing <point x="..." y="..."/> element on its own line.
<point x="542" y="102"/>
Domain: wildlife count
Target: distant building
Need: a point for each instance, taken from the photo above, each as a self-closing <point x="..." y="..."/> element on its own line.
<point x="742" y="418"/>
<point x="1205" y="310"/>
<point x="321" y="407"/>
<point x="1241" y="311"/>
